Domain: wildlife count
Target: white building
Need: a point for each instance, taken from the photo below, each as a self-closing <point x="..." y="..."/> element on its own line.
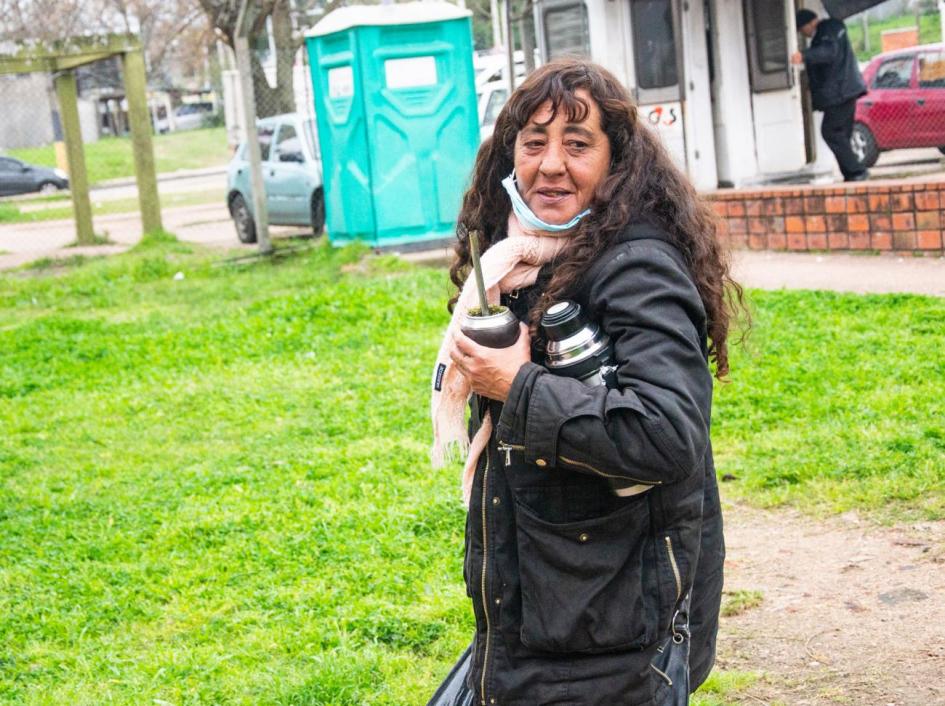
<point x="712" y="76"/>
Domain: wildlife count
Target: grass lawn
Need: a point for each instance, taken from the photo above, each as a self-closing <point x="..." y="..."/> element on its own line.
<point x="215" y="490"/>
<point x="930" y="31"/>
<point x="111" y="157"/>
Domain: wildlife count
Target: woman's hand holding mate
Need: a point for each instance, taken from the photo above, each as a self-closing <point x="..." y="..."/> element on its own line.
<point x="490" y="371"/>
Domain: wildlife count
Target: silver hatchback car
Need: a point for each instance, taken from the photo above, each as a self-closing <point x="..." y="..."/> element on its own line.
<point x="292" y="176"/>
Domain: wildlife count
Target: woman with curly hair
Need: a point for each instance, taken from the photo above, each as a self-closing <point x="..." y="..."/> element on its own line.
<point x="582" y="595"/>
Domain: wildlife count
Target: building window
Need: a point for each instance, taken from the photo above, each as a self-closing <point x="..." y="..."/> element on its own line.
<point x="566" y="31"/>
<point x="767" y="31"/>
<point x="654" y="43"/>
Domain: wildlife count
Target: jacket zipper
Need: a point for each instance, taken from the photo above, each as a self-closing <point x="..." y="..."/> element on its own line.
<point x="663" y="674"/>
<point x="485" y="559"/>
<point x="581" y="464"/>
<point x="672" y="563"/>
<point x="507" y="449"/>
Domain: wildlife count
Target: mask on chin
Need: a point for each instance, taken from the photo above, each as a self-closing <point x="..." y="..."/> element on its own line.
<point x="527" y="217"/>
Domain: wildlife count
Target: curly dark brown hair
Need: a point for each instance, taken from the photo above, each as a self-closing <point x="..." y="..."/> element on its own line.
<point x="643" y="185"/>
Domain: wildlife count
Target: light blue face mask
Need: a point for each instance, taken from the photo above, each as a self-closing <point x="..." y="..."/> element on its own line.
<point x="528" y="217"/>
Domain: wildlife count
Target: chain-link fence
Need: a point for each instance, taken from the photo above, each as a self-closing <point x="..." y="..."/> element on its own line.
<point x="34" y="167"/>
<point x="904" y="109"/>
<point x="64" y="131"/>
<point x="289" y="165"/>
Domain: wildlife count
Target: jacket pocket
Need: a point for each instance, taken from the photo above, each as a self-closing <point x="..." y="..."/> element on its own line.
<point x="587" y="586"/>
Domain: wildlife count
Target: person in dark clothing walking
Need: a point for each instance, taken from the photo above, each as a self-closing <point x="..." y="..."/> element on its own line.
<point x="835" y="84"/>
<point x="584" y="595"/>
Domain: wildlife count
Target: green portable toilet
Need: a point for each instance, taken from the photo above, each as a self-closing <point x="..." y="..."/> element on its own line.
<point x="395" y="103"/>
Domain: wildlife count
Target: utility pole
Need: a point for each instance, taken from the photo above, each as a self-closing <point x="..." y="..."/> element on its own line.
<point x="496" y="23"/>
<point x="509" y="44"/>
<point x="245" y="68"/>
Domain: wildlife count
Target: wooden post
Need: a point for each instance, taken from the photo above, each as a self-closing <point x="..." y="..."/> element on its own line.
<point x="941" y="20"/>
<point x="138" y="117"/>
<point x="260" y="212"/>
<point x="67" y="93"/>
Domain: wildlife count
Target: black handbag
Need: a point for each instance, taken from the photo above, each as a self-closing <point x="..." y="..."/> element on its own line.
<point x="672" y="658"/>
<point x="453" y="691"/>
<point x="671" y="662"/>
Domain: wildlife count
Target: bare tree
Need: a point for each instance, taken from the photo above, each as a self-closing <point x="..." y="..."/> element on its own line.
<point x="49" y="20"/>
<point x="165" y="26"/>
<point x="160" y="24"/>
<point x="286" y="18"/>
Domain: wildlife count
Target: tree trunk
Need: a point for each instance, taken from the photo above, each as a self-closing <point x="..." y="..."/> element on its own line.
<point x="274" y="100"/>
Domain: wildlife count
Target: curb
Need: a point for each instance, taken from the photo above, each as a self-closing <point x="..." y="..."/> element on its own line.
<point x="166" y="176"/>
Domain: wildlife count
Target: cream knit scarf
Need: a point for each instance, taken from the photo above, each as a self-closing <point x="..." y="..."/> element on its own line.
<point x="508" y="265"/>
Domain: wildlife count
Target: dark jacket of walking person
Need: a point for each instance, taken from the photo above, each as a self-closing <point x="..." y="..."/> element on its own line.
<point x="835" y="84"/>
<point x="577" y="590"/>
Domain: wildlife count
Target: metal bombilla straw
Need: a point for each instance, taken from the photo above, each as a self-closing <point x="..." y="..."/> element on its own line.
<point x="494" y="327"/>
<point x="477" y="273"/>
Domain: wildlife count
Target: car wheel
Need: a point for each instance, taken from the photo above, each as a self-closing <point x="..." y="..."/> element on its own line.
<point x="48" y="187"/>
<point x="243" y="220"/>
<point x="864" y="145"/>
<point x="318" y="212"/>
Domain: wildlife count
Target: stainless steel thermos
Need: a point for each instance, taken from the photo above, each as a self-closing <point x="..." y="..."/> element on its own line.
<point x="576" y="347"/>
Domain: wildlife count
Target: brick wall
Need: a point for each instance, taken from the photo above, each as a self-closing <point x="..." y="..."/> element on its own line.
<point x="881" y="216"/>
<point x="892" y="39"/>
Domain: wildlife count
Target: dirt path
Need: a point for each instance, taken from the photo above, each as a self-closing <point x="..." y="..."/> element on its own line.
<point x="842" y="272"/>
<point x="851" y="612"/>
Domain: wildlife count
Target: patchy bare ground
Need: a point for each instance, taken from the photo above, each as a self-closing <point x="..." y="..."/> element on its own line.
<point x="852" y="613"/>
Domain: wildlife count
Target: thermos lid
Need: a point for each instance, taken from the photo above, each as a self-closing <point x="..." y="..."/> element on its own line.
<point x="562" y="319"/>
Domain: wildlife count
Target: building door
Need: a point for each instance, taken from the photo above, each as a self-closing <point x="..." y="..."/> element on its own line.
<point x="777" y="115"/>
<point x="654" y="28"/>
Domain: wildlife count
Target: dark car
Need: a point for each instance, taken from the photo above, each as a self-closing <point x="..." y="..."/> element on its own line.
<point x="17" y="177"/>
<point x="905" y="105"/>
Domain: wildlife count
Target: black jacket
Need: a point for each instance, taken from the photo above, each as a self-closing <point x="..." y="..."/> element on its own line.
<point x="573" y="587"/>
<point x="832" y="71"/>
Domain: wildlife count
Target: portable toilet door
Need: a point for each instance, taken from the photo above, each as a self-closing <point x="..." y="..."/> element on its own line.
<point x="396" y="108"/>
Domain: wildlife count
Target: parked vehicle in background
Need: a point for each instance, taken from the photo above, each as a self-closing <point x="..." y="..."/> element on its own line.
<point x="190" y="116"/>
<point x="292" y="176"/>
<point x="18" y="177"/>
<point x="905" y="103"/>
<point x="494" y="67"/>
<point x="492" y="97"/>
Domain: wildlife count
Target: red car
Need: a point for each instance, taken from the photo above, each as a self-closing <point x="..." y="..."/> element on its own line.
<point x="905" y="105"/>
